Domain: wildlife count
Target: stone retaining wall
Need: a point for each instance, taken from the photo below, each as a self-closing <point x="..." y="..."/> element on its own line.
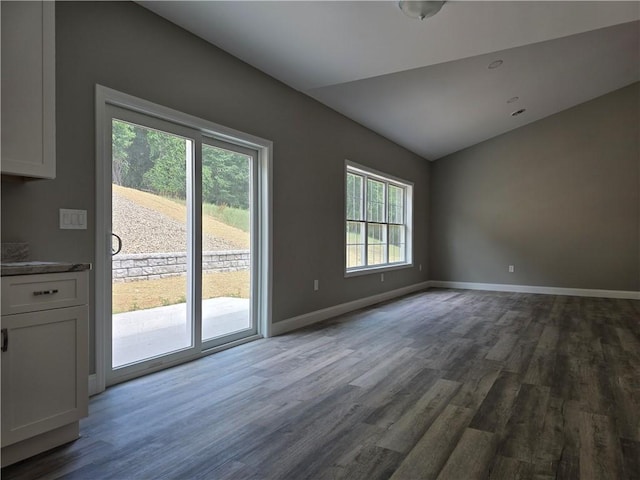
<point x="147" y="266"/>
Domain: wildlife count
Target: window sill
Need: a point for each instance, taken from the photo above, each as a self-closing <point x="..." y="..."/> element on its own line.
<point x="369" y="270"/>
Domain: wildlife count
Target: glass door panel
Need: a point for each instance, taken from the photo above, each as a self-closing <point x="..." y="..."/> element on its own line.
<point x="151" y="188"/>
<point x="227" y="195"/>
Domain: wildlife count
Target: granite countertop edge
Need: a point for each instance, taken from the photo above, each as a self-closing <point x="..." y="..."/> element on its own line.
<point x="28" y="268"/>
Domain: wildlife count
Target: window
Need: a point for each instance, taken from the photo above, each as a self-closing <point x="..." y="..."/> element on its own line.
<point x="378" y="220"/>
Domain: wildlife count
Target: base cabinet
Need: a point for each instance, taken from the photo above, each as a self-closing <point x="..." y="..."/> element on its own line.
<point x="44" y="374"/>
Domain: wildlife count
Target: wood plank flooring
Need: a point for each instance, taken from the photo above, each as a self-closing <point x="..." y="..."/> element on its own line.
<point x="443" y="384"/>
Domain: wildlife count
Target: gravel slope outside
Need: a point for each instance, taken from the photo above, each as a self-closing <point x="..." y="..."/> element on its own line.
<point x="148" y="223"/>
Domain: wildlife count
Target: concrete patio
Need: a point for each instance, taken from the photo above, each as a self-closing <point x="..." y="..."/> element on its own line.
<point x="144" y="334"/>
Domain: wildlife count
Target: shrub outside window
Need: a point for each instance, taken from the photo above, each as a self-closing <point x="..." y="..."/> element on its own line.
<point x="378" y="220"/>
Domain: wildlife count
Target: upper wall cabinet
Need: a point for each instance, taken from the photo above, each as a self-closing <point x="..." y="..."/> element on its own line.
<point x="28" y="89"/>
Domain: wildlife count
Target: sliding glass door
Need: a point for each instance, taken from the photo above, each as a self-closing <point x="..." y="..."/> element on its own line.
<point x="183" y="223"/>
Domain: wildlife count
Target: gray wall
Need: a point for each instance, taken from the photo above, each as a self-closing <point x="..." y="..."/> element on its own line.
<point x="125" y="47"/>
<point x="559" y="199"/>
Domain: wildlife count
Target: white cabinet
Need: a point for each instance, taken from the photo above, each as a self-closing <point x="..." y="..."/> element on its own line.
<point x="44" y="362"/>
<point x="28" y="89"/>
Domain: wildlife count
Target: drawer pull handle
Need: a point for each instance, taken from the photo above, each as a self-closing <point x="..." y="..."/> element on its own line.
<point x="45" y="292"/>
<point x="5" y="340"/>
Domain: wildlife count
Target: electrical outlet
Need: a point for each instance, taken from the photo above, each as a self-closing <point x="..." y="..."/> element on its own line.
<point x="316" y="285"/>
<point x="382" y="277"/>
<point x="512" y="268"/>
<point x="420" y="267"/>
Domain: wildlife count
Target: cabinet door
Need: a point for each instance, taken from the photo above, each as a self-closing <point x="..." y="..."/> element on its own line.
<point x="28" y="89"/>
<point x="44" y="371"/>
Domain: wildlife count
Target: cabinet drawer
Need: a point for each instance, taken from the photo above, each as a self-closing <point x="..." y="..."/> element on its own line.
<point x="32" y="293"/>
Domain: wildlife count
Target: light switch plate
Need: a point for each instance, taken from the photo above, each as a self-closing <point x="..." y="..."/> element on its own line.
<point x="73" y="219"/>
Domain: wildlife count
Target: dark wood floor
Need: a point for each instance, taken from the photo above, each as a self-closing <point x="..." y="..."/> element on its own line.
<point x="442" y="384"/>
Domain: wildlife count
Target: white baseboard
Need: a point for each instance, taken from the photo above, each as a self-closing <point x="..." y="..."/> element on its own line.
<point x="310" y="318"/>
<point x="501" y="287"/>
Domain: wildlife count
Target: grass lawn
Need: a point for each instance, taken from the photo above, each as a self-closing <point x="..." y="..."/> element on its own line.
<point x="236" y="217"/>
<point x="145" y="294"/>
<point x="375" y="252"/>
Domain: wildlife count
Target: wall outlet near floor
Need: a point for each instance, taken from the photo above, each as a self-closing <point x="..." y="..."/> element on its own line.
<point x="382" y="277"/>
<point x="420" y="267"/>
<point x="73" y="219"/>
<point x="512" y="268"/>
<point x="316" y="285"/>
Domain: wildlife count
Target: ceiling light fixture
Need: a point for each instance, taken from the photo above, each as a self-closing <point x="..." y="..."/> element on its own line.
<point x="495" y="64"/>
<point x="518" y="112"/>
<point x="420" y="10"/>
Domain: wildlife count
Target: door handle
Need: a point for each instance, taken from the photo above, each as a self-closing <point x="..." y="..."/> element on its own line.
<point x="5" y="339"/>
<point x="117" y="250"/>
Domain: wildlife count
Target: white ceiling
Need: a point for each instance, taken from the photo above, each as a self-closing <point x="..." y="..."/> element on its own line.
<point x="426" y="85"/>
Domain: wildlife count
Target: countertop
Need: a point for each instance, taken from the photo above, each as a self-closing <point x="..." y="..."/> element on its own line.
<point x="35" y="267"/>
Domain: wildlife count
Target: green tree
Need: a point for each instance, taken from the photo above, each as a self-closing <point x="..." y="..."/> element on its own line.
<point x="225" y="177"/>
<point x="122" y="135"/>
<point x="140" y="160"/>
<point x="167" y="176"/>
<point x="156" y="161"/>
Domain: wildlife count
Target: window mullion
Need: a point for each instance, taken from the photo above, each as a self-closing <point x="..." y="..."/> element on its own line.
<point x="366" y="219"/>
<point x="386" y="218"/>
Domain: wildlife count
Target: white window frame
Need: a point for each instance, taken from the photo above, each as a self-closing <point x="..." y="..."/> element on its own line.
<point x="407" y="186"/>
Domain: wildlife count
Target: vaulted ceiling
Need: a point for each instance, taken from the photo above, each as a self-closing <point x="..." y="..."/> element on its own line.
<point x="427" y="84"/>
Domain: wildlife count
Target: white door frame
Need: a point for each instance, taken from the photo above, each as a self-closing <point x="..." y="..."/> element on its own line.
<point x="263" y="253"/>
